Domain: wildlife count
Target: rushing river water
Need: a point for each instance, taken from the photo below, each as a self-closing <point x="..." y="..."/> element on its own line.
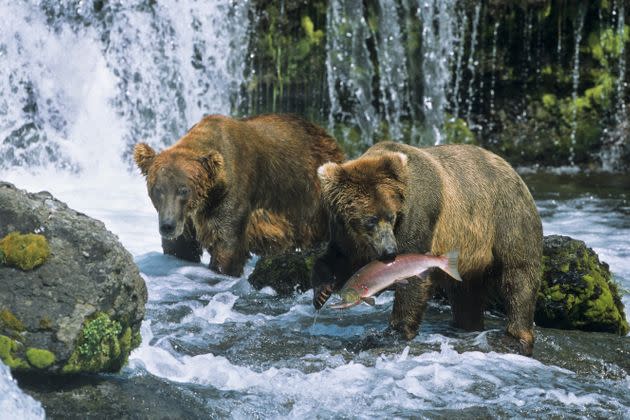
<point x="213" y="346"/>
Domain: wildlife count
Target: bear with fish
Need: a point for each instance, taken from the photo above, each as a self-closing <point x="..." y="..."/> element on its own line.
<point x="461" y="204"/>
<point x="455" y="217"/>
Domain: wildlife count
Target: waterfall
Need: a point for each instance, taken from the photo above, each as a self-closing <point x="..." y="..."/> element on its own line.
<point x="350" y="73"/>
<point x="579" y="24"/>
<point x="392" y="68"/>
<point x="81" y="82"/>
<point x="616" y="146"/>
<point x="438" y="42"/>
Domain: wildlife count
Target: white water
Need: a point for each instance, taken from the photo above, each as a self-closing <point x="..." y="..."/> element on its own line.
<point x="14" y="403"/>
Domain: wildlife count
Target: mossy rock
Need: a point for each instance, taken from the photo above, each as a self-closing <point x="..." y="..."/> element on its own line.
<point x="287" y="273"/>
<point x="577" y="290"/>
<point x="8" y="353"/>
<point x="40" y="358"/>
<point x="25" y="252"/>
<point x="9" y="323"/>
<point x="103" y="345"/>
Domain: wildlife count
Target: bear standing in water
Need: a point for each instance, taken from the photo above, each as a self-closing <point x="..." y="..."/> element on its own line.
<point x="399" y="199"/>
<point x="234" y="186"/>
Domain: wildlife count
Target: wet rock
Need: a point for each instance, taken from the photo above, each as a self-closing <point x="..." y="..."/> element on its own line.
<point x="285" y="273"/>
<point x="577" y="290"/>
<point x="72" y="298"/>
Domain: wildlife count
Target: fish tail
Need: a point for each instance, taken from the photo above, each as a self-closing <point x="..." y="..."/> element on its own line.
<point x="451" y="268"/>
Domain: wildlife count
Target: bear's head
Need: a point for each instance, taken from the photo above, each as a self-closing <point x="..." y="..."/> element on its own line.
<point x="180" y="182"/>
<point x="366" y="196"/>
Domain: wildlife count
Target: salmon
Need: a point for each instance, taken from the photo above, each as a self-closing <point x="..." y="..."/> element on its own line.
<point x="379" y="275"/>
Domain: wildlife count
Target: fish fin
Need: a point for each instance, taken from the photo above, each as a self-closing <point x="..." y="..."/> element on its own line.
<point x="451" y="269"/>
<point x="369" y="300"/>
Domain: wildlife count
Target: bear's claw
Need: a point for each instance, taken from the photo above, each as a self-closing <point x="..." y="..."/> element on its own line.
<point x="321" y="297"/>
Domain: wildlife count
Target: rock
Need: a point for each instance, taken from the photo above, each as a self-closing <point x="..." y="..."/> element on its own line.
<point x="285" y="273"/>
<point x="577" y="291"/>
<point x="77" y="302"/>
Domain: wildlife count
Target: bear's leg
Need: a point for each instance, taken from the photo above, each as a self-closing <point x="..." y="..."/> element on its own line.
<point x="185" y="246"/>
<point x="410" y="302"/>
<point x="519" y="286"/>
<point x="467" y="302"/>
<point x="229" y="258"/>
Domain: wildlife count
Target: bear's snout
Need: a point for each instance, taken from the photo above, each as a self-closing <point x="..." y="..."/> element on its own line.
<point x="385" y="242"/>
<point x="167" y="227"/>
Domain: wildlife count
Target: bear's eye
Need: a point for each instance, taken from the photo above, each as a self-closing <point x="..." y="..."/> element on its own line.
<point x="371" y="222"/>
<point x="183" y="191"/>
<point x="389" y="218"/>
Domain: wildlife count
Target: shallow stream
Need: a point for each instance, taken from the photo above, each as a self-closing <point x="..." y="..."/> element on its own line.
<point x="214" y="347"/>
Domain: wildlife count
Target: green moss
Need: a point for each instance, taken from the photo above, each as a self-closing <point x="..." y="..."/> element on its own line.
<point x="549" y="100"/>
<point x="8" y="321"/>
<point x="25" y="252"/>
<point x="40" y="358"/>
<point x="8" y="348"/>
<point x="457" y="132"/>
<point x="577" y="291"/>
<point x="103" y="345"/>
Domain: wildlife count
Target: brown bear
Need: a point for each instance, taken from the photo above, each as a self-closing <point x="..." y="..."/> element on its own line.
<point x="233" y="186"/>
<point x="401" y="199"/>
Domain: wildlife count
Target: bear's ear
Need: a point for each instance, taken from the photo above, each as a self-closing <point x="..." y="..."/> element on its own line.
<point x="212" y="162"/>
<point x="396" y="164"/>
<point x="143" y="154"/>
<point x="328" y="173"/>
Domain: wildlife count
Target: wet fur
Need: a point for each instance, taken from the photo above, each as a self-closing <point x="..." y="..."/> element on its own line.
<point x="254" y="186"/>
<point x="454" y="197"/>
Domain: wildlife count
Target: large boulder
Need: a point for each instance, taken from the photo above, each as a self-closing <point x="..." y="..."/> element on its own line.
<point x="577" y="290"/>
<point x="71" y="297"/>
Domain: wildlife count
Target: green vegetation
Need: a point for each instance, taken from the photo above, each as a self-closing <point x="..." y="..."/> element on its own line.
<point x="8" y="348"/>
<point x="25" y="252"/>
<point x="103" y="345"/>
<point x="40" y="358"/>
<point x="8" y="322"/>
<point x="577" y="292"/>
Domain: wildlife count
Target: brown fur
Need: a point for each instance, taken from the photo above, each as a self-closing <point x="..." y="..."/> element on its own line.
<point x="242" y="185"/>
<point x="444" y="198"/>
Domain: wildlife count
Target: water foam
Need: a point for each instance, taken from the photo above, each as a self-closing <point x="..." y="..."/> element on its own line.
<point x="13" y="402"/>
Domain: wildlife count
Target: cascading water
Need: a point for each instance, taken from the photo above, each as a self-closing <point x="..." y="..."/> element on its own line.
<point x="393" y="68"/>
<point x="579" y="25"/>
<point x="616" y="142"/>
<point x="473" y="62"/>
<point x="350" y="72"/>
<point x="85" y="81"/>
<point x="438" y="42"/>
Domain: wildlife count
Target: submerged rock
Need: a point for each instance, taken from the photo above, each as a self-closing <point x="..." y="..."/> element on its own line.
<point x="72" y="298"/>
<point x="577" y="291"/>
<point x="286" y="273"/>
